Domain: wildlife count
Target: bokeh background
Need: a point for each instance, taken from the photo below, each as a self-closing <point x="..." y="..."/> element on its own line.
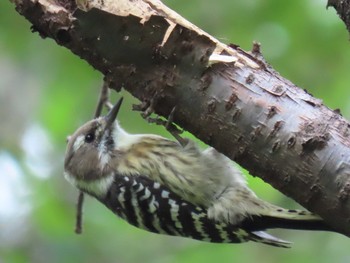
<point x="46" y="92"/>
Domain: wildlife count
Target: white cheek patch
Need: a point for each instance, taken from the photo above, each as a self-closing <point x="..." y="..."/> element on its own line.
<point x="78" y="142"/>
<point x="98" y="187"/>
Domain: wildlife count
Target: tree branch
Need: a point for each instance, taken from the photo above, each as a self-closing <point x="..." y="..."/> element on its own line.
<point x="342" y="7"/>
<point x="237" y="103"/>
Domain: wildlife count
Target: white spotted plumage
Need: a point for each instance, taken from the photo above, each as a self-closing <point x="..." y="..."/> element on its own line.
<point x="138" y="214"/>
<point x="165" y="194"/>
<point x="174" y="212"/>
<point x="146" y="195"/>
<point x="153" y="205"/>
<point x="199" y="226"/>
<point x="223" y="233"/>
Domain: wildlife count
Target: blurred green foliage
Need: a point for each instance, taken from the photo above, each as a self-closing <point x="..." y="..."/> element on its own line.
<point x="46" y="92"/>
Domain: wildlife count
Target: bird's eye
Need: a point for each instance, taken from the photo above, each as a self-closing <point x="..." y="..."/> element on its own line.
<point x="90" y="137"/>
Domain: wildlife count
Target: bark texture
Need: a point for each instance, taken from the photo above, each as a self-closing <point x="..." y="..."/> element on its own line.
<point x="243" y="108"/>
<point x="343" y="9"/>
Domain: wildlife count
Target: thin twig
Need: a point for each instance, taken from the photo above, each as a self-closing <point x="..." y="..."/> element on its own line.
<point x="103" y="99"/>
<point x="79" y="216"/>
<point x="168" y="124"/>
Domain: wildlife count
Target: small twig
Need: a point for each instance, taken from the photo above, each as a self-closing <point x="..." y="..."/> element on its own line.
<point x="141" y="107"/>
<point x="79" y="216"/>
<point x="102" y="101"/>
<point x="169" y="125"/>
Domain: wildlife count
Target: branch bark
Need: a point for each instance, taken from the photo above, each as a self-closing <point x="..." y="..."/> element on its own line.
<point x="343" y="9"/>
<point x="236" y="103"/>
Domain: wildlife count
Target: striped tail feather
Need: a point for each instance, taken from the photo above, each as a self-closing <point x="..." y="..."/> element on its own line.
<point x="277" y="217"/>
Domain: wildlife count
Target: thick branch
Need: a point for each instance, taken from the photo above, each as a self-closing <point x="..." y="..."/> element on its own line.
<point x="244" y="108"/>
<point x="343" y="9"/>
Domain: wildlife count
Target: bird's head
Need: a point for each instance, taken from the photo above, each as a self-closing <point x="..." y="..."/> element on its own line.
<point x="90" y="149"/>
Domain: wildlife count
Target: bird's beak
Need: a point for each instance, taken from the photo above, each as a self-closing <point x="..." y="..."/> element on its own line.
<point x="112" y="114"/>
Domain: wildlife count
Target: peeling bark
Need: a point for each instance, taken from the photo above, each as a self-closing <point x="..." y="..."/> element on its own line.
<point x="236" y="103"/>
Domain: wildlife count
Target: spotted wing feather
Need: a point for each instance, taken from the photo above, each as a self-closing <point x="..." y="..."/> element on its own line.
<point x="151" y="206"/>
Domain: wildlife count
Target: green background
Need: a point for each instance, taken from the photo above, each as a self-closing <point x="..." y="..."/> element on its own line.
<point x="46" y="92"/>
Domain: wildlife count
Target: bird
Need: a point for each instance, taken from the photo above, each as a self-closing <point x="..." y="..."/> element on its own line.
<point x="167" y="187"/>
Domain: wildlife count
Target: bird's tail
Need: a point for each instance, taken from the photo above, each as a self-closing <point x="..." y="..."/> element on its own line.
<point x="265" y="238"/>
<point x="276" y="217"/>
<point x="282" y="218"/>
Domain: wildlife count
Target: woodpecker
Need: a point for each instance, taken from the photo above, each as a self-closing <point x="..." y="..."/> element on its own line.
<point x="159" y="185"/>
